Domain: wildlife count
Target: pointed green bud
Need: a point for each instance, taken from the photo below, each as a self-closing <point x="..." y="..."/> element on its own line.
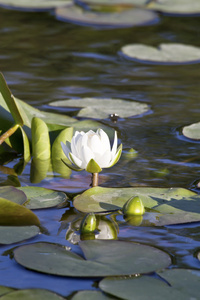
<point x="88" y="223"/>
<point x="133" y="206"/>
<point x="93" y="167"/>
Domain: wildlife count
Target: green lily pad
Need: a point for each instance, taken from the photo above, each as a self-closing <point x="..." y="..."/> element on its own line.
<point x="183" y="285"/>
<point x="91" y="295"/>
<point x="163" y="54"/>
<point x="4" y="290"/>
<point x="192" y="131"/>
<point x="39" y="197"/>
<point x="103" y="108"/>
<point x="13" y="194"/>
<point x="126" y="18"/>
<point x="30" y="294"/>
<point x="184" y="7"/>
<point x="170" y="205"/>
<point x="125" y="258"/>
<point x="13" y="234"/>
<point x="35" y="5"/>
<point x="12" y="214"/>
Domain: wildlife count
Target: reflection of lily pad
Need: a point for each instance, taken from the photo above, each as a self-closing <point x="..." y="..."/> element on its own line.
<point x="39" y="197"/>
<point x="102" y="108"/>
<point x="13" y="234"/>
<point x="126" y="18"/>
<point x="192" y="131"/>
<point x="36" y="5"/>
<point x="183" y="285"/>
<point x="31" y="294"/>
<point x="164" y="54"/>
<point x="176" y="6"/>
<point x="170" y="205"/>
<point x="125" y="258"/>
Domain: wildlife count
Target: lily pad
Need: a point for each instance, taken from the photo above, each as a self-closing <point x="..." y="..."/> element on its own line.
<point x="103" y="108"/>
<point x="36" y="5"/>
<point x="91" y="295"/>
<point x="13" y="234"/>
<point x="39" y="197"/>
<point x="182" y="7"/>
<point x="192" y="131"/>
<point x="180" y="284"/>
<point x="4" y="290"/>
<point x="126" y="18"/>
<point x="170" y="205"/>
<point x="30" y="294"/>
<point x="126" y="258"/>
<point x="163" y="54"/>
<point x="13" y="194"/>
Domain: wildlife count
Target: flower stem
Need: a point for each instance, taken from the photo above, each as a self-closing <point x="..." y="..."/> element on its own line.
<point x="8" y="133"/>
<point x="95" y="177"/>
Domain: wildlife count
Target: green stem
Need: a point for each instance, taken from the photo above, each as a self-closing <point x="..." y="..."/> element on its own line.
<point x="8" y="133"/>
<point x="95" y="177"/>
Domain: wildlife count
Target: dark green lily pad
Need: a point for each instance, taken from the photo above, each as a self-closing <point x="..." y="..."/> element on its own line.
<point x="103" y="108"/>
<point x="91" y="295"/>
<point x="192" y="131"/>
<point x="125" y="258"/>
<point x="170" y="205"/>
<point x="163" y="54"/>
<point x="39" y="197"/>
<point x="125" y="18"/>
<point x="13" y="214"/>
<point x="182" y="7"/>
<point x="183" y="285"/>
<point x="4" y="290"/>
<point x="31" y="294"/>
<point x="35" y="5"/>
<point x="13" y="194"/>
<point x="13" y="234"/>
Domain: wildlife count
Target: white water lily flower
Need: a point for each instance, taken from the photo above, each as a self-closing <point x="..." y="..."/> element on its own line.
<point x="91" y="151"/>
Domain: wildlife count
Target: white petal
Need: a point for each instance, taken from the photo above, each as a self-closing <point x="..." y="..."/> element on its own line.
<point x="77" y="143"/>
<point x="65" y="149"/>
<point x="114" y="147"/>
<point x="94" y="143"/>
<point x="75" y="160"/>
<point x="104" y="139"/>
<point x="87" y="155"/>
<point x="103" y="160"/>
<point x="116" y="157"/>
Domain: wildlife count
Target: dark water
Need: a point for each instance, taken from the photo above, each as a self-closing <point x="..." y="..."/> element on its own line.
<point x="44" y="60"/>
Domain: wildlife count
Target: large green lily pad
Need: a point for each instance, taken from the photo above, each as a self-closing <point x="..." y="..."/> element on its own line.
<point x="179" y="284"/>
<point x="38" y="197"/>
<point x="125" y="18"/>
<point x="192" y="131"/>
<point x="4" y="290"/>
<point x="91" y="295"/>
<point x="169" y="205"/>
<point x="36" y="5"/>
<point x="13" y="194"/>
<point x="125" y="258"/>
<point x="163" y="54"/>
<point x="13" y="234"/>
<point x="103" y="108"/>
<point x="30" y="294"/>
<point x="184" y="7"/>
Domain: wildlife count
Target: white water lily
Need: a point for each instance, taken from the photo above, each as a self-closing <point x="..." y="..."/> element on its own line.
<point x="91" y="151"/>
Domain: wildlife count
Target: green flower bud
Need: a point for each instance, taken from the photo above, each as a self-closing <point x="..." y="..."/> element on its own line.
<point x="88" y="223"/>
<point x="133" y="206"/>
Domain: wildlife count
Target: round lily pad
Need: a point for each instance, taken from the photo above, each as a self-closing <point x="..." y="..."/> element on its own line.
<point x="169" y="205"/>
<point x="176" y="7"/>
<point x="192" y="131"/>
<point x="103" y="108"/>
<point x="180" y="284"/>
<point x="35" y="5"/>
<point x="126" y="18"/>
<point x="4" y="290"/>
<point x="163" y="54"/>
<point x="91" y="295"/>
<point x="13" y="234"/>
<point x="126" y="258"/>
<point x="42" y="198"/>
<point x="31" y="294"/>
<point x="13" y="194"/>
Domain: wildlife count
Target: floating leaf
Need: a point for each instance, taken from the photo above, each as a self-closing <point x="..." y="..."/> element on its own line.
<point x="180" y="284"/>
<point x="102" y="108"/>
<point x="184" y="7"/>
<point x="170" y="205"/>
<point x="91" y="295"/>
<point x="125" y="258"/>
<point x="163" y="54"/>
<point x="4" y="290"/>
<point x="192" y="131"/>
<point x="13" y="234"/>
<point x="36" y="5"/>
<point x="126" y="18"/>
<point x="42" y="198"/>
<point x="30" y="294"/>
<point x="13" y="194"/>
<point x="12" y="214"/>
